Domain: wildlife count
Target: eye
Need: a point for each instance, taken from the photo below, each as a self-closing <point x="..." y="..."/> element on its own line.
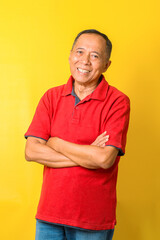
<point x="79" y="51"/>
<point x="94" y="56"/>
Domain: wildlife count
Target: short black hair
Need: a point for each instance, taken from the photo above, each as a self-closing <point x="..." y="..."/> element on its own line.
<point x="108" y="42"/>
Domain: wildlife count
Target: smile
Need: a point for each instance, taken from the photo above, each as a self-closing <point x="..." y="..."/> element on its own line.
<point x="83" y="70"/>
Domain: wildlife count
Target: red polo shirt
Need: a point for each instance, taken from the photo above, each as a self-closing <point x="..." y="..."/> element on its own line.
<point x="77" y="196"/>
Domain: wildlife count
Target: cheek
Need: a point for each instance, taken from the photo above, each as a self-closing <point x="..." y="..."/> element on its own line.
<point x="73" y="59"/>
<point x="97" y="67"/>
<point x="100" y="67"/>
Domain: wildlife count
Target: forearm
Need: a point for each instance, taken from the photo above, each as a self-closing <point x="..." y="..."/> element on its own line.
<point x="87" y="156"/>
<point x="84" y="155"/>
<point x="57" y="164"/>
<point x="38" y="151"/>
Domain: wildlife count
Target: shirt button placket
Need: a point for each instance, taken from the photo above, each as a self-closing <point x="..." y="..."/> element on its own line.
<point x="76" y="115"/>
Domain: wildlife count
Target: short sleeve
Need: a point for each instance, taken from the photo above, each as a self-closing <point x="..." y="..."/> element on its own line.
<point x="41" y="123"/>
<point x="116" y="123"/>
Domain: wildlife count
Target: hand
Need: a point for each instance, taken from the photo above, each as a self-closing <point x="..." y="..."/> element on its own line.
<point x="101" y="140"/>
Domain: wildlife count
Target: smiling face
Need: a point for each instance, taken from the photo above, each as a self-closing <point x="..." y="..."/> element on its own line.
<point x="88" y="59"/>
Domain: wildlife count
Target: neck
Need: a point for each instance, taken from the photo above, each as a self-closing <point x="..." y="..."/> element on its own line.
<point x="83" y="90"/>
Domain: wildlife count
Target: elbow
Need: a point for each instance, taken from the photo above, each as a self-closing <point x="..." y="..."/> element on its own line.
<point x="27" y="158"/>
<point x="107" y="157"/>
<point x="31" y="149"/>
<point x="106" y="163"/>
<point x="28" y="155"/>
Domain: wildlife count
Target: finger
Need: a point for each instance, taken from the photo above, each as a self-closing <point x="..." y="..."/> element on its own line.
<point x="102" y="145"/>
<point x="100" y="138"/>
<point x="102" y="134"/>
<point x="103" y="140"/>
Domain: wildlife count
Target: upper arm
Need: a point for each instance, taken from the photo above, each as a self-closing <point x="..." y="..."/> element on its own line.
<point x="116" y="124"/>
<point x="31" y="144"/>
<point x="34" y="140"/>
<point x="41" y="122"/>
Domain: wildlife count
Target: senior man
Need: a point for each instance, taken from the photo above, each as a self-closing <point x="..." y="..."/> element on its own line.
<point x="79" y="133"/>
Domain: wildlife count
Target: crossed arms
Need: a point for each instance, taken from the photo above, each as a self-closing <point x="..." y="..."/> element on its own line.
<point x="58" y="153"/>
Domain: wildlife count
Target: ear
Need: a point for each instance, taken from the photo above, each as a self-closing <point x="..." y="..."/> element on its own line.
<point x="107" y="65"/>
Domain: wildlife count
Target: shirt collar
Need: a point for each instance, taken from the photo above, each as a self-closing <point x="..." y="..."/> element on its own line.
<point x="101" y="90"/>
<point x="68" y="87"/>
<point x="99" y="93"/>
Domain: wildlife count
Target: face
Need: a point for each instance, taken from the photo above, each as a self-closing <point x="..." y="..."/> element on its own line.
<point x="88" y="59"/>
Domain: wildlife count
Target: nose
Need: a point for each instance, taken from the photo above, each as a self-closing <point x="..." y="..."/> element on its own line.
<point x="85" y="59"/>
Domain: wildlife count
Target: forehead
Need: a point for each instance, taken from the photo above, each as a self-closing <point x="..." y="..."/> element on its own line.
<point x="91" y="41"/>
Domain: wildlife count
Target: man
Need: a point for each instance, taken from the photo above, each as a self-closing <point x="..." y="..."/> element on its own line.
<point x="79" y="133"/>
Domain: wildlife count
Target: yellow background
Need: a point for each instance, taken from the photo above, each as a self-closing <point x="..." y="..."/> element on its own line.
<point x="35" y="41"/>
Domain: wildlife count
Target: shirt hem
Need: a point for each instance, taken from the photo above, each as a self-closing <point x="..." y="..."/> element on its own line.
<point x="73" y="223"/>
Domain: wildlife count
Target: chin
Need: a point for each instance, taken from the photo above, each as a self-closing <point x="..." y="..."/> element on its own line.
<point x="81" y="79"/>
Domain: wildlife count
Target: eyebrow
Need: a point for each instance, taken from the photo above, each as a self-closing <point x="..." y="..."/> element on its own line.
<point x="91" y="51"/>
<point x="79" y="48"/>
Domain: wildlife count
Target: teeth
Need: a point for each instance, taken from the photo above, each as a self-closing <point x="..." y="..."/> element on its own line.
<point x="83" y="71"/>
